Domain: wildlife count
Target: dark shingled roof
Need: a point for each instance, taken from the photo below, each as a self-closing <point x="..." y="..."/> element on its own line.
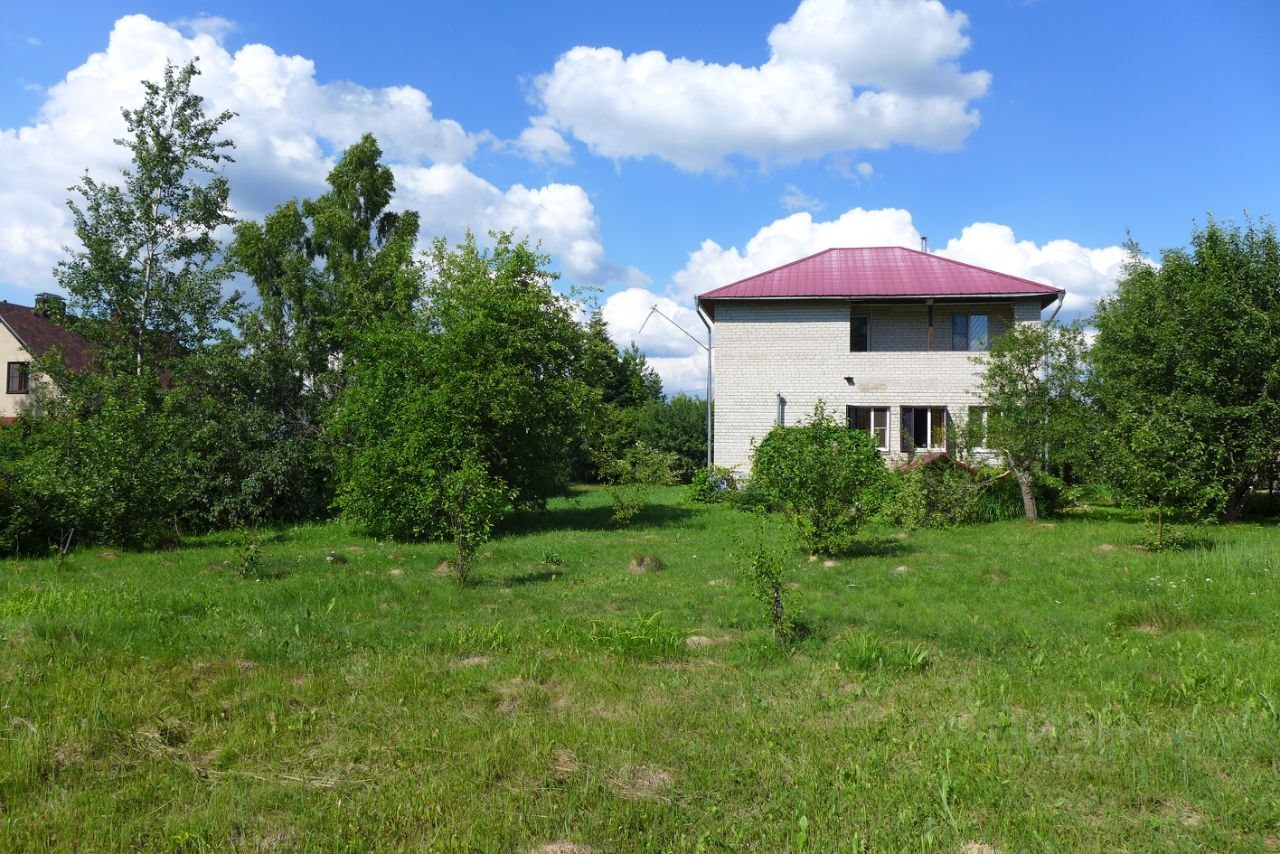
<point x="38" y="335"/>
<point x="880" y="272"/>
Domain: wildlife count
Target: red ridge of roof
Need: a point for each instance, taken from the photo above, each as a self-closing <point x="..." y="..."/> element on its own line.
<point x="38" y="335"/>
<point x="878" y="271"/>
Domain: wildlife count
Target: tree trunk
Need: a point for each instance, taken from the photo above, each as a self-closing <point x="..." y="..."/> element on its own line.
<point x="1028" y="493"/>
<point x="1239" y="498"/>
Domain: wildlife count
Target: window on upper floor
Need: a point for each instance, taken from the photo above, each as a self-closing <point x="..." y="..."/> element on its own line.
<point x="969" y="331"/>
<point x="859" y="333"/>
<point x="19" y="382"/>
<point x="924" y="428"/>
<point x="873" y="420"/>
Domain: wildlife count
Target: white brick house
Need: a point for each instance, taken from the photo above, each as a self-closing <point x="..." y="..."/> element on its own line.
<point x="884" y="336"/>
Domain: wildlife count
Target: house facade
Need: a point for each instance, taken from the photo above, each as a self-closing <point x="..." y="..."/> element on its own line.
<point x="28" y="332"/>
<point x="886" y="337"/>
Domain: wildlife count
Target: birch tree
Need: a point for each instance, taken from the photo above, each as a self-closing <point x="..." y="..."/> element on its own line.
<point x="148" y="274"/>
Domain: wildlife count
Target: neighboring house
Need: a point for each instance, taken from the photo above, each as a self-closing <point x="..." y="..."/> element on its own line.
<point x="26" y="333"/>
<point x="885" y="336"/>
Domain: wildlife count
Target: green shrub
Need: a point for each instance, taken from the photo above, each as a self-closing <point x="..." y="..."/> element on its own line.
<point x="941" y="494"/>
<point x="630" y="477"/>
<point x="823" y="475"/>
<point x="711" y="485"/>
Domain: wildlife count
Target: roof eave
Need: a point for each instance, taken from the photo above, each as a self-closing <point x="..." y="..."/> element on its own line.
<point x="1046" y="297"/>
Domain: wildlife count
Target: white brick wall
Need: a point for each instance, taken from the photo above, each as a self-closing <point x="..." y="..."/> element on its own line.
<point x="800" y="349"/>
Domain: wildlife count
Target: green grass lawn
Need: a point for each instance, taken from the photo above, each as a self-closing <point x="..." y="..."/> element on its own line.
<point x="1023" y="686"/>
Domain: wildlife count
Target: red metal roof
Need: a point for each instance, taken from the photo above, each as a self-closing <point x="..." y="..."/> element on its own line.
<point x="884" y="272"/>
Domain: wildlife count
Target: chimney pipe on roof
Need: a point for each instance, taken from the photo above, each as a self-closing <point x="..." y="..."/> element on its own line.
<point x="924" y="243"/>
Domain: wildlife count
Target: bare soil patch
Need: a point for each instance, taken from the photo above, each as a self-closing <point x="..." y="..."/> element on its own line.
<point x="642" y="782"/>
<point x="563" y="765"/>
<point x="641" y="564"/>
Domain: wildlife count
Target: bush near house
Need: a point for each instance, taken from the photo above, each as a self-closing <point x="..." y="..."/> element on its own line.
<point x="823" y="476"/>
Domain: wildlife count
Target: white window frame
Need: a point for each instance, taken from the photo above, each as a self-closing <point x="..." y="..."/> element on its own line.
<point x="930" y="426"/>
<point x="871" y="421"/>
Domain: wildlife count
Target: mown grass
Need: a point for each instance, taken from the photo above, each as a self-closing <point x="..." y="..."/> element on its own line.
<point x="1044" y="686"/>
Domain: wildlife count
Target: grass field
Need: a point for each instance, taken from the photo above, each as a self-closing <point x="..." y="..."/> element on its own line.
<point x="1044" y="686"/>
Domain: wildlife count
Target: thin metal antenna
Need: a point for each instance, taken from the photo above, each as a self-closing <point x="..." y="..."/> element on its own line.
<point x="653" y="309"/>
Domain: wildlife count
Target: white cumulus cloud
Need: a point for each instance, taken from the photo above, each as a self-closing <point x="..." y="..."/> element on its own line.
<point x="289" y="129"/>
<point x="842" y="75"/>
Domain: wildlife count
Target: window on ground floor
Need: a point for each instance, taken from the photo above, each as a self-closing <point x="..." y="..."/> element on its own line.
<point x="924" y="428"/>
<point x="18" y="379"/>
<point x="873" y="420"/>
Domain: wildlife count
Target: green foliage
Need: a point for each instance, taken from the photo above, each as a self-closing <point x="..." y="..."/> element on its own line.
<point x="474" y="503"/>
<point x="485" y="365"/>
<point x="147" y="278"/>
<point x="630" y="477"/>
<point x="762" y="568"/>
<point x="1187" y="371"/>
<point x="943" y="493"/>
<point x="249" y="553"/>
<point x="119" y="473"/>
<point x="1038" y="413"/>
<point x="711" y="485"/>
<point x="823" y="476"/>
<point x="677" y="425"/>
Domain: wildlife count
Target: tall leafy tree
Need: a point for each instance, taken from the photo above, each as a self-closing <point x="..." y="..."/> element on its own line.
<point x="326" y="271"/>
<point x="1192" y="347"/>
<point x="149" y="275"/>
<point x="1033" y="386"/>
<point x="367" y="249"/>
<point x="483" y="372"/>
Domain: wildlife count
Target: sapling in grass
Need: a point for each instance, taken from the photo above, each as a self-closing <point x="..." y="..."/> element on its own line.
<point x="763" y="566"/>
<point x="474" y="501"/>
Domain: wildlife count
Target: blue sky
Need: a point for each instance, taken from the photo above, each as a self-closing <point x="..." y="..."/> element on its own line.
<point x="1030" y="137"/>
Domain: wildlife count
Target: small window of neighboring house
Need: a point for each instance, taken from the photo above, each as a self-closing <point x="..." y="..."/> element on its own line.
<point x="873" y="420"/>
<point x="924" y="428"/>
<point x="977" y="426"/>
<point x="859" y="333"/>
<point x="969" y="332"/>
<point x="19" y="382"/>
